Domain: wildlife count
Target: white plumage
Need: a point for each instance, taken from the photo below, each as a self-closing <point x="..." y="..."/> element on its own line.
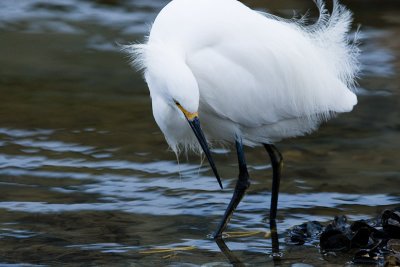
<point x="248" y="74"/>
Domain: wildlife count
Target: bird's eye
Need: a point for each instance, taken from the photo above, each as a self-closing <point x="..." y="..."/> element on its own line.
<point x="176" y="103"/>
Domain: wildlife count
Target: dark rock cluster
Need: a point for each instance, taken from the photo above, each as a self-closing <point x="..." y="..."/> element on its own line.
<point x="371" y="241"/>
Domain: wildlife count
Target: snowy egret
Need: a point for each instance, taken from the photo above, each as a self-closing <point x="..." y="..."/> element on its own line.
<point x="253" y="79"/>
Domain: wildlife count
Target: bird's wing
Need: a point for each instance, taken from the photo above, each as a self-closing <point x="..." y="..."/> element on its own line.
<point x="252" y="69"/>
<point x="256" y="70"/>
<point x="255" y="80"/>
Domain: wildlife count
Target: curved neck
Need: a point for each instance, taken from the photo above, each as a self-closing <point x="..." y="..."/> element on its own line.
<point x="168" y="76"/>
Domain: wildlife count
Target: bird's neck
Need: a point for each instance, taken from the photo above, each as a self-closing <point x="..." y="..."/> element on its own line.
<point x="168" y="76"/>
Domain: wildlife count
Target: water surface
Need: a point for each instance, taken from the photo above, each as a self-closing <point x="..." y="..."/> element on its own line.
<point x="86" y="176"/>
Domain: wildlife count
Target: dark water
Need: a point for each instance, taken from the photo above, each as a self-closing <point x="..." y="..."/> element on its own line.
<point x="86" y="176"/>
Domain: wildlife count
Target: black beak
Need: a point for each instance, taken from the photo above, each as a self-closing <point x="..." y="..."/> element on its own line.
<point x="195" y="125"/>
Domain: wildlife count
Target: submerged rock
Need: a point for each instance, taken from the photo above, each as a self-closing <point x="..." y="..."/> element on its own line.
<point x="309" y="230"/>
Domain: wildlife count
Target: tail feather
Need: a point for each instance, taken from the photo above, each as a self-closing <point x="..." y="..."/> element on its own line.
<point x="330" y="33"/>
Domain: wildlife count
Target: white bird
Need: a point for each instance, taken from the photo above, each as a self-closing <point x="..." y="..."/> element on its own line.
<point x="251" y="77"/>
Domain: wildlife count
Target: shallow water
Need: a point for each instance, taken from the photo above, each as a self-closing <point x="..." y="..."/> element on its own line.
<point x="86" y="176"/>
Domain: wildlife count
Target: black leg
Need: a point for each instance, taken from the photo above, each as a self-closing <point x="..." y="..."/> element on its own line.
<point x="277" y="164"/>
<point x="276" y="255"/>
<point x="240" y="189"/>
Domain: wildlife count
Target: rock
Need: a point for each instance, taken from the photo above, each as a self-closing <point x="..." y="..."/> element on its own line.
<point x="394" y="245"/>
<point x="391" y="223"/>
<point x="366" y="256"/>
<point x="334" y="240"/>
<point x="361" y="238"/>
<point x="299" y="234"/>
<point x="374" y="239"/>
<point x="393" y="260"/>
<point x="336" y="236"/>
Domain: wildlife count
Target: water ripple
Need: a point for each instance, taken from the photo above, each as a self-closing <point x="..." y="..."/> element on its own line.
<point x="45" y="15"/>
<point x="15" y="233"/>
<point x="34" y="162"/>
<point x="376" y="60"/>
<point x="156" y="203"/>
<point x="56" y="146"/>
<point x="18" y="133"/>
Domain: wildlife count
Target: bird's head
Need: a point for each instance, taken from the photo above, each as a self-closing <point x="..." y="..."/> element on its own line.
<point x="175" y="101"/>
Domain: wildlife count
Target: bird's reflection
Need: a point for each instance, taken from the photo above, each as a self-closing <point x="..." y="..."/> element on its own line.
<point x="236" y="262"/>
